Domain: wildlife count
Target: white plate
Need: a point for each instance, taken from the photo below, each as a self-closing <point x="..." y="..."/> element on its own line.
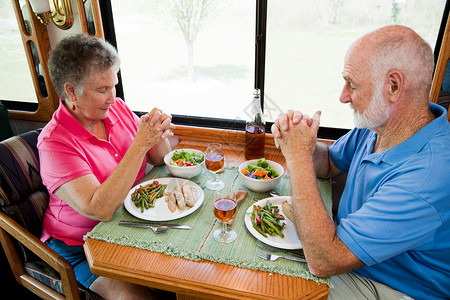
<point x="161" y="210"/>
<point x="290" y="240"/>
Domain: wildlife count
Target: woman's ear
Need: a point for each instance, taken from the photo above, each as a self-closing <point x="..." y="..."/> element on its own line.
<point x="70" y="91"/>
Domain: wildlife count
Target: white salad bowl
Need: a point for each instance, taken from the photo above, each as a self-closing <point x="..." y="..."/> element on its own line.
<point x="184" y="171"/>
<point x="261" y="185"/>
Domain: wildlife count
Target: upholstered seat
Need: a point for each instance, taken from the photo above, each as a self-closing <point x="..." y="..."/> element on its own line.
<point x="23" y="200"/>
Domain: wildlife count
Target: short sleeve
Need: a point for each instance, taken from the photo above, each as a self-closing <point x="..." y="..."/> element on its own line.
<point x="343" y="150"/>
<point x="392" y="221"/>
<point x="60" y="164"/>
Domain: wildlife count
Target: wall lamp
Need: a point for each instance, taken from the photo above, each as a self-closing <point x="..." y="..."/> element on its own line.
<point x="59" y="11"/>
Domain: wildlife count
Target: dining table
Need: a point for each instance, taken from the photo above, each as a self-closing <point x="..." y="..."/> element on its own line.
<point x="189" y="262"/>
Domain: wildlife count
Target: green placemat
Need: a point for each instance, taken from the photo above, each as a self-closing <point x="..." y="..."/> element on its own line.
<point x="197" y="243"/>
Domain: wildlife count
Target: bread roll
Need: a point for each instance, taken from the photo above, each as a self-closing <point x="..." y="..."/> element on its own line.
<point x="171" y="202"/>
<point x="287" y="210"/>
<point x="180" y="198"/>
<point x="188" y="195"/>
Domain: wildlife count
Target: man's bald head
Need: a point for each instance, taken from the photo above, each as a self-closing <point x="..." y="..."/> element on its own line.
<point x="399" y="48"/>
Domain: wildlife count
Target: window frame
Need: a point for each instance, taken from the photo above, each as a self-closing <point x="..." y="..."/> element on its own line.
<point x="48" y="102"/>
<point x="107" y="22"/>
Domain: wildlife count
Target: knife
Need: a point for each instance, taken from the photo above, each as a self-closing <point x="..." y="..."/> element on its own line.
<point x="150" y="224"/>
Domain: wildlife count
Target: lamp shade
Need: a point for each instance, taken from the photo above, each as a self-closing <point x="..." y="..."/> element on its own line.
<point x="40" y="6"/>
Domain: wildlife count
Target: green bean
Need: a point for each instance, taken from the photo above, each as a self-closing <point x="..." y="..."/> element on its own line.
<point x="141" y="204"/>
<point x="272" y="220"/>
<point x="149" y="188"/>
<point x="263" y="228"/>
<point x="259" y="230"/>
<point x="144" y="197"/>
<point x="274" y="227"/>
<point x="267" y="220"/>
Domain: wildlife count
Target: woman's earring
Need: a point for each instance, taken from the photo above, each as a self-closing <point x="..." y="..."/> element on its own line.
<point x="73" y="106"/>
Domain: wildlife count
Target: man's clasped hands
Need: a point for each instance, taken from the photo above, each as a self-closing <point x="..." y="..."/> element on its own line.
<point x="296" y="133"/>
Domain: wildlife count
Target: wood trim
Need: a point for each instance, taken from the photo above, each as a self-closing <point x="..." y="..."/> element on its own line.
<point x="82" y="12"/>
<point x="441" y="66"/>
<point x="97" y="18"/>
<point x="206" y="279"/>
<point x="9" y="230"/>
<point x="18" y="269"/>
<point x="39" y="36"/>
<point x="225" y="136"/>
<point x="39" y="289"/>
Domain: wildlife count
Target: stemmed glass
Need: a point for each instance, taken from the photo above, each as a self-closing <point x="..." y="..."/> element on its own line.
<point x="214" y="162"/>
<point x="224" y="210"/>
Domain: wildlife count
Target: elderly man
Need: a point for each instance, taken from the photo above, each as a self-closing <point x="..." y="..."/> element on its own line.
<point x="391" y="237"/>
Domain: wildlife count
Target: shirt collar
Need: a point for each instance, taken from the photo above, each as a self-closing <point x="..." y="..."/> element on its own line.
<point x="71" y="124"/>
<point x="414" y="143"/>
<point x="112" y="118"/>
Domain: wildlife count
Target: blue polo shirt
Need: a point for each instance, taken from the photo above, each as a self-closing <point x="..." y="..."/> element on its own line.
<point x="394" y="213"/>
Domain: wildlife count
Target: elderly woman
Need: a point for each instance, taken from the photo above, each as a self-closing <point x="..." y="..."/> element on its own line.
<point x="92" y="152"/>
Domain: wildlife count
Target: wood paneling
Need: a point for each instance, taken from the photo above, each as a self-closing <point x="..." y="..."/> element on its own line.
<point x="39" y="36"/>
<point x="441" y="65"/>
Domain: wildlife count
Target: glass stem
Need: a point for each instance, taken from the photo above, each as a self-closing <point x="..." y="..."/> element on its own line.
<point x="224" y="230"/>
<point x="214" y="183"/>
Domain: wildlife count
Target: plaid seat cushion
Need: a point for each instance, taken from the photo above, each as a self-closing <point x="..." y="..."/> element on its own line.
<point x="48" y="276"/>
<point x="29" y="212"/>
<point x="23" y="197"/>
<point x="19" y="168"/>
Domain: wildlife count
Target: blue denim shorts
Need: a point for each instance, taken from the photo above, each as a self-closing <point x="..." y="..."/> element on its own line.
<point x="76" y="257"/>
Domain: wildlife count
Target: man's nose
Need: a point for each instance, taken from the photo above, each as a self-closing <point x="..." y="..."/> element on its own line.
<point x="345" y="95"/>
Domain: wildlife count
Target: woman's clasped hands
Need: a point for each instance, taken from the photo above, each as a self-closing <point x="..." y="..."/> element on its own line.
<point x="156" y="125"/>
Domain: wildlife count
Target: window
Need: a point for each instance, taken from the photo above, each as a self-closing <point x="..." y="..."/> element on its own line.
<point x="307" y="41"/>
<point x="192" y="58"/>
<point x="16" y="83"/>
<point x="196" y="58"/>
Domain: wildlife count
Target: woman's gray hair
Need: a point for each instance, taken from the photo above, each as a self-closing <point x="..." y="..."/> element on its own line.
<point x="76" y="58"/>
<point x="413" y="57"/>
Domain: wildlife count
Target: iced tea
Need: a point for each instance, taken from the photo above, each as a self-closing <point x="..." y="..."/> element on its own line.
<point x="254" y="142"/>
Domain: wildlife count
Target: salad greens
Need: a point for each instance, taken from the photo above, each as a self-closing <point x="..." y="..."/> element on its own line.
<point x="185" y="159"/>
<point x="261" y="170"/>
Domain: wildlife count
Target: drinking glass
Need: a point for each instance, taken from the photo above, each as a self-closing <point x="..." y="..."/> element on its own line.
<point x="224" y="210"/>
<point x="214" y="162"/>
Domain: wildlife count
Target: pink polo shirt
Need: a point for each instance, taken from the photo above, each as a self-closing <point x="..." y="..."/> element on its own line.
<point x="67" y="151"/>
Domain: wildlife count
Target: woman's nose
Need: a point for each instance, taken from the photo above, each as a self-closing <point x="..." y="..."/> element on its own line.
<point x="112" y="96"/>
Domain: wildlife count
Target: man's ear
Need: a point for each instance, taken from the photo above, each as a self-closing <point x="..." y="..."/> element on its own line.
<point x="70" y="91"/>
<point x="395" y="83"/>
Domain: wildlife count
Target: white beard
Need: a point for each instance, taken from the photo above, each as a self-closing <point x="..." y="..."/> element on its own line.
<point x="376" y="114"/>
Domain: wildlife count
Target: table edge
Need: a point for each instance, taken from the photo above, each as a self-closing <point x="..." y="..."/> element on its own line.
<point x="175" y="284"/>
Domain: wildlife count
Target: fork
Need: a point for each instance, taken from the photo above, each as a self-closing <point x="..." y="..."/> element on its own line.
<point x="272" y="257"/>
<point x="277" y="250"/>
